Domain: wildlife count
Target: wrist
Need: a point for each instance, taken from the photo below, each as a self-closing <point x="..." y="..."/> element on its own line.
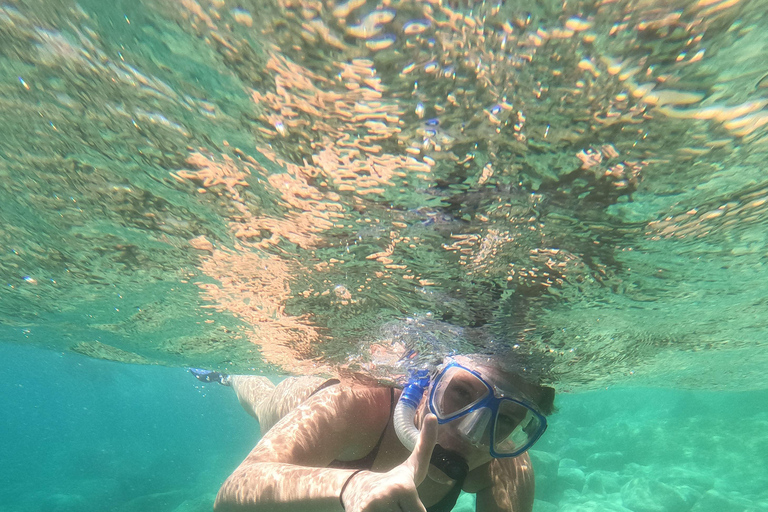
<point x="345" y="485"/>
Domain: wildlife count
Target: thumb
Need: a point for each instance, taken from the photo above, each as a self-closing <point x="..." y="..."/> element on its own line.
<point x="418" y="461"/>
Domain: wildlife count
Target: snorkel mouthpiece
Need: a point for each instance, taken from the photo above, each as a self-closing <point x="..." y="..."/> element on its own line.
<point x="450" y="463"/>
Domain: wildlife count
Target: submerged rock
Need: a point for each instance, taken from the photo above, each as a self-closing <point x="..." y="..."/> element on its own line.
<point x="714" y="501"/>
<point x="544" y="506"/>
<point x="545" y="464"/>
<point x="645" y="495"/>
<point x="593" y="506"/>
<point x="579" y="449"/>
<point x="608" y="461"/>
<point x="571" y="478"/>
<point x="602" y="482"/>
<point x="677" y="476"/>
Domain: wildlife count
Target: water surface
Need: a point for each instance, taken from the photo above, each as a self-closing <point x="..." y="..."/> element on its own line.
<point x="318" y="187"/>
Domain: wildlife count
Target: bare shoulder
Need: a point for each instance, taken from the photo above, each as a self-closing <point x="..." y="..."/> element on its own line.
<point x="353" y="407"/>
<point x="336" y="422"/>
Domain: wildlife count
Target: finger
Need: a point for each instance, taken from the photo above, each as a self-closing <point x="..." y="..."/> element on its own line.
<point x="418" y="461"/>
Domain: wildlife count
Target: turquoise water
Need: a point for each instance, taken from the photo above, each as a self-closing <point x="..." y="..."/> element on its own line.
<point x="86" y="435"/>
<point x="82" y="435"/>
<point x="296" y="187"/>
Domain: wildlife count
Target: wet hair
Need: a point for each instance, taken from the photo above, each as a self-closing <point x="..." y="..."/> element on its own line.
<point x="543" y="397"/>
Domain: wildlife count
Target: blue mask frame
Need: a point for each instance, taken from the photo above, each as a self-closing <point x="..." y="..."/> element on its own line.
<point x="492" y="402"/>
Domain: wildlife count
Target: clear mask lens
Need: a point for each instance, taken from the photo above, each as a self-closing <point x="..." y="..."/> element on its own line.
<point x="516" y="425"/>
<point x="457" y="391"/>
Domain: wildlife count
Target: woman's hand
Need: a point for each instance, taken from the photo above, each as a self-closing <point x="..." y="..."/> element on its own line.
<point x="395" y="490"/>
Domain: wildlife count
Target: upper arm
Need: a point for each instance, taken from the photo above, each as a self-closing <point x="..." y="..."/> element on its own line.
<point x="335" y="421"/>
<point x="511" y="486"/>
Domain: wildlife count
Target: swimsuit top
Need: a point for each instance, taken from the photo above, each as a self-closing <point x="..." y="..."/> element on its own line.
<point x="444" y="505"/>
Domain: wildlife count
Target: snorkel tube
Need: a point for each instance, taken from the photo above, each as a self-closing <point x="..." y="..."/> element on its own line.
<point x="447" y="461"/>
<point x="405" y="410"/>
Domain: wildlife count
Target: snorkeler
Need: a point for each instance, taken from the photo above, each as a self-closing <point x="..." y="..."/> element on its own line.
<point x="331" y="446"/>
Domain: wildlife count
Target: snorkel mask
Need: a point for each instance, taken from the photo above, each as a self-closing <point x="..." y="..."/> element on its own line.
<point x="505" y="422"/>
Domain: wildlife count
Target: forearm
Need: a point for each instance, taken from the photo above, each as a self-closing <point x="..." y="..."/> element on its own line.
<point x="278" y="487"/>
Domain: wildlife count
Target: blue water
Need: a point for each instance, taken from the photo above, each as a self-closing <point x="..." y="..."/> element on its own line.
<point x="83" y="435"/>
<point x="86" y="435"/>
